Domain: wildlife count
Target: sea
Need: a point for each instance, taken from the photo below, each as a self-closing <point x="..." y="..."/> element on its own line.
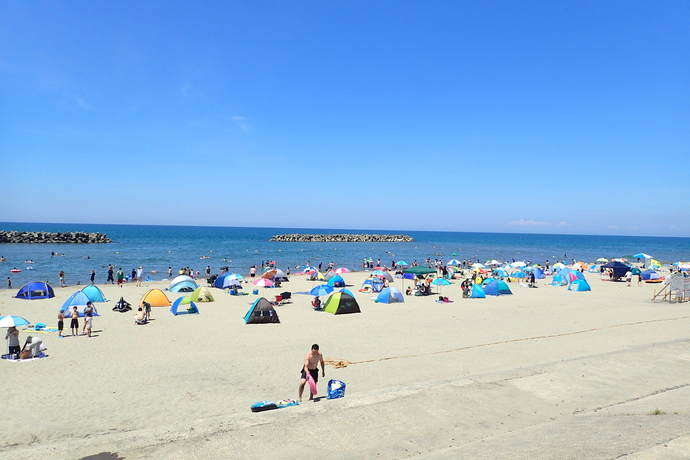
<point x="157" y="247"/>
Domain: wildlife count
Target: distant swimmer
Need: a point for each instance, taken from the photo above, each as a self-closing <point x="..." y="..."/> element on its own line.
<point x="29" y="261"/>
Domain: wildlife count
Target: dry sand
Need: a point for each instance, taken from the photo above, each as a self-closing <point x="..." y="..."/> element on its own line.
<point x="544" y="373"/>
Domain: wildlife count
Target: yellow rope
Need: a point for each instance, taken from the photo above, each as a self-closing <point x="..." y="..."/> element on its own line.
<point x="340" y="363"/>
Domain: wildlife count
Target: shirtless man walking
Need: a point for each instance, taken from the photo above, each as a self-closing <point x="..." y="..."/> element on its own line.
<point x="311" y="361"/>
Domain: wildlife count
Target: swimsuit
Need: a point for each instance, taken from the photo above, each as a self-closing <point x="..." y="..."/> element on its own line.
<point x="61" y="325"/>
<point x="74" y="323"/>
<point x="314" y="374"/>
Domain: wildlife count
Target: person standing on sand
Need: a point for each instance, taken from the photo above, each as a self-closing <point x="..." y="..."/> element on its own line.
<point x="110" y="275"/>
<point x="9" y="283"/>
<point x="140" y="275"/>
<point x="88" y="318"/>
<point x="61" y="322"/>
<point x="74" y="323"/>
<point x="311" y="362"/>
<point x="120" y="277"/>
<point x="62" y="278"/>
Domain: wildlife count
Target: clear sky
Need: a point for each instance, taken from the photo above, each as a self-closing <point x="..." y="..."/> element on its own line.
<point x="503" y="116"/>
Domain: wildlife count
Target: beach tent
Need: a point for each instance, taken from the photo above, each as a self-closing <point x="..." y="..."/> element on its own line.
<point x="579" y="285"/>
<point x="594" y="269"/>
<point x="539" y="274"/>
<point x="218" y="283"/>
<point x="420" y="270"/>
<point x="183" y="284"/>
<point x="478" y="292"/>
<point x="375" y="284"/>
<point x="390" y="295"/>
<point x="336" y="281"/>
<point x="497" y="287"/>
<point x="340" y="303"/>
<point x="156" y="298"/>
<point x="619" y="269"/>
<point x="261" y="311"/>
<point x="560" y="279"/>
<point x="650" y="275"/>
<point x="189" y="308"/>
<point x="202" y="294"/>
<point x="79" y="300"/>
<point x="35" y="290"/>
<point x="94" y="293"/>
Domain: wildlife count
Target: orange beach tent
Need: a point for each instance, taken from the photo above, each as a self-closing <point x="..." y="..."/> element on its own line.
<point x="156" y="298"/>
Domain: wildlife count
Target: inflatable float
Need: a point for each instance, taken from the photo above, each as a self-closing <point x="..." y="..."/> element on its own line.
<point x="312" y="384"/>
<point x="15" y="270"/>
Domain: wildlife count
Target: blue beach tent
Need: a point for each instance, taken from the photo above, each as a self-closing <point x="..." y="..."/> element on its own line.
<point x="79" y="300"/>
<point x="477" y="292"/>
<point x="183" y="283"/>
<point x="579" y="285"/>
<point x="94" y="293"/>
<point x="539" y="274"/>
<point x="336" y="281"/>
<point x="497" y="287"/>
<point x="35" y="290"/>
<point x="560" y="279"/>
<point x="188" y="307"/>
<point x="390" y="295"/>
<point x="650" y="274"/>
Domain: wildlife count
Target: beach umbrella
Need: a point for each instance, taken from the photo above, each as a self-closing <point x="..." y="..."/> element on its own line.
<point x="269" y="274"/>
<point x="518" y="264"/>
<point x="341" y="270"/>
<point x="234" y="276"/>
<point x="454" y="262"/>
<point x="440" y="282"/>
<point x="493" y="262"/>
<point x="382" y="274"/>
<point x="402" y="262"/>
<point x="13" y="321"/>
<point x="602" y="259"/>
<point x="263" y="282"/>
<point x="642" y="255"/>
<point x="478" y="265"/>
<point x="320" y="290"/>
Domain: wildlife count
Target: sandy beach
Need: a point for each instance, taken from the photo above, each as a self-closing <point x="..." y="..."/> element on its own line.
<point x="543" y="373"/>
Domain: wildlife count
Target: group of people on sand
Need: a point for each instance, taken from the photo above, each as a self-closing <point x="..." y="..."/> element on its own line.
<point x="74" y="320"/>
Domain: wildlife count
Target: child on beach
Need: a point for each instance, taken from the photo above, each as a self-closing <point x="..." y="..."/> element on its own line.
<point x="61" y="322"/>
<point x="74" y="323"/>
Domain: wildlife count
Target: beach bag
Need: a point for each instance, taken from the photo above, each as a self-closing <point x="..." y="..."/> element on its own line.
<point x="336" y="389"/>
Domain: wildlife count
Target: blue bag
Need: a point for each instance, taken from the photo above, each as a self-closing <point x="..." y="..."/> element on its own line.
<point x="336" y="389"/>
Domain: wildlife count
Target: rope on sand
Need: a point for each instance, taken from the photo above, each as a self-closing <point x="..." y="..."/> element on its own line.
<point x="340" y="363"/>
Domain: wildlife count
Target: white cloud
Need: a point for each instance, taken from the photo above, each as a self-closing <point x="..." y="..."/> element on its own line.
<point x="530" y="223"/>
<point x="240" y="122"/>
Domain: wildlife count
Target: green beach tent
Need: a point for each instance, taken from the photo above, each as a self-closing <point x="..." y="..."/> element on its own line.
<point x="341" y="303"/>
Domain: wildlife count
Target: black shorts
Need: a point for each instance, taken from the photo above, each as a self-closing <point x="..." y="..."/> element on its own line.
<point x="313" y="372"/>
<point x="61" y="325"/>
<point x="74" y="323"/>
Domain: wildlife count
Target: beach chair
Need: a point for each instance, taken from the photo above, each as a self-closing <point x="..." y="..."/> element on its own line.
<point x="286" y="297"/>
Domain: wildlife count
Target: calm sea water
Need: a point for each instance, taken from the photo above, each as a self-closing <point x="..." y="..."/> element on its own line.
<point x="158" y="247"/>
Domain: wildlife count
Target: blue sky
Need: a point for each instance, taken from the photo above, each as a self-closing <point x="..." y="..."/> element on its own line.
<point x="503" y="116"/>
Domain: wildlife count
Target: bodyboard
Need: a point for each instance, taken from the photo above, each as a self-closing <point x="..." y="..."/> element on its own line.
<point x="263" y="406"/>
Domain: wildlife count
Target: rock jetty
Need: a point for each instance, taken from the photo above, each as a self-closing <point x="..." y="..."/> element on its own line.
<point x="14" y="236"/>
<point x="342" y="238"/>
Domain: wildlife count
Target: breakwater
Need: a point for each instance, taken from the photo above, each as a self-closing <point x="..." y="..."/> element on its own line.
<point x="14" y="236"/>
<point x="341" y="238"/>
